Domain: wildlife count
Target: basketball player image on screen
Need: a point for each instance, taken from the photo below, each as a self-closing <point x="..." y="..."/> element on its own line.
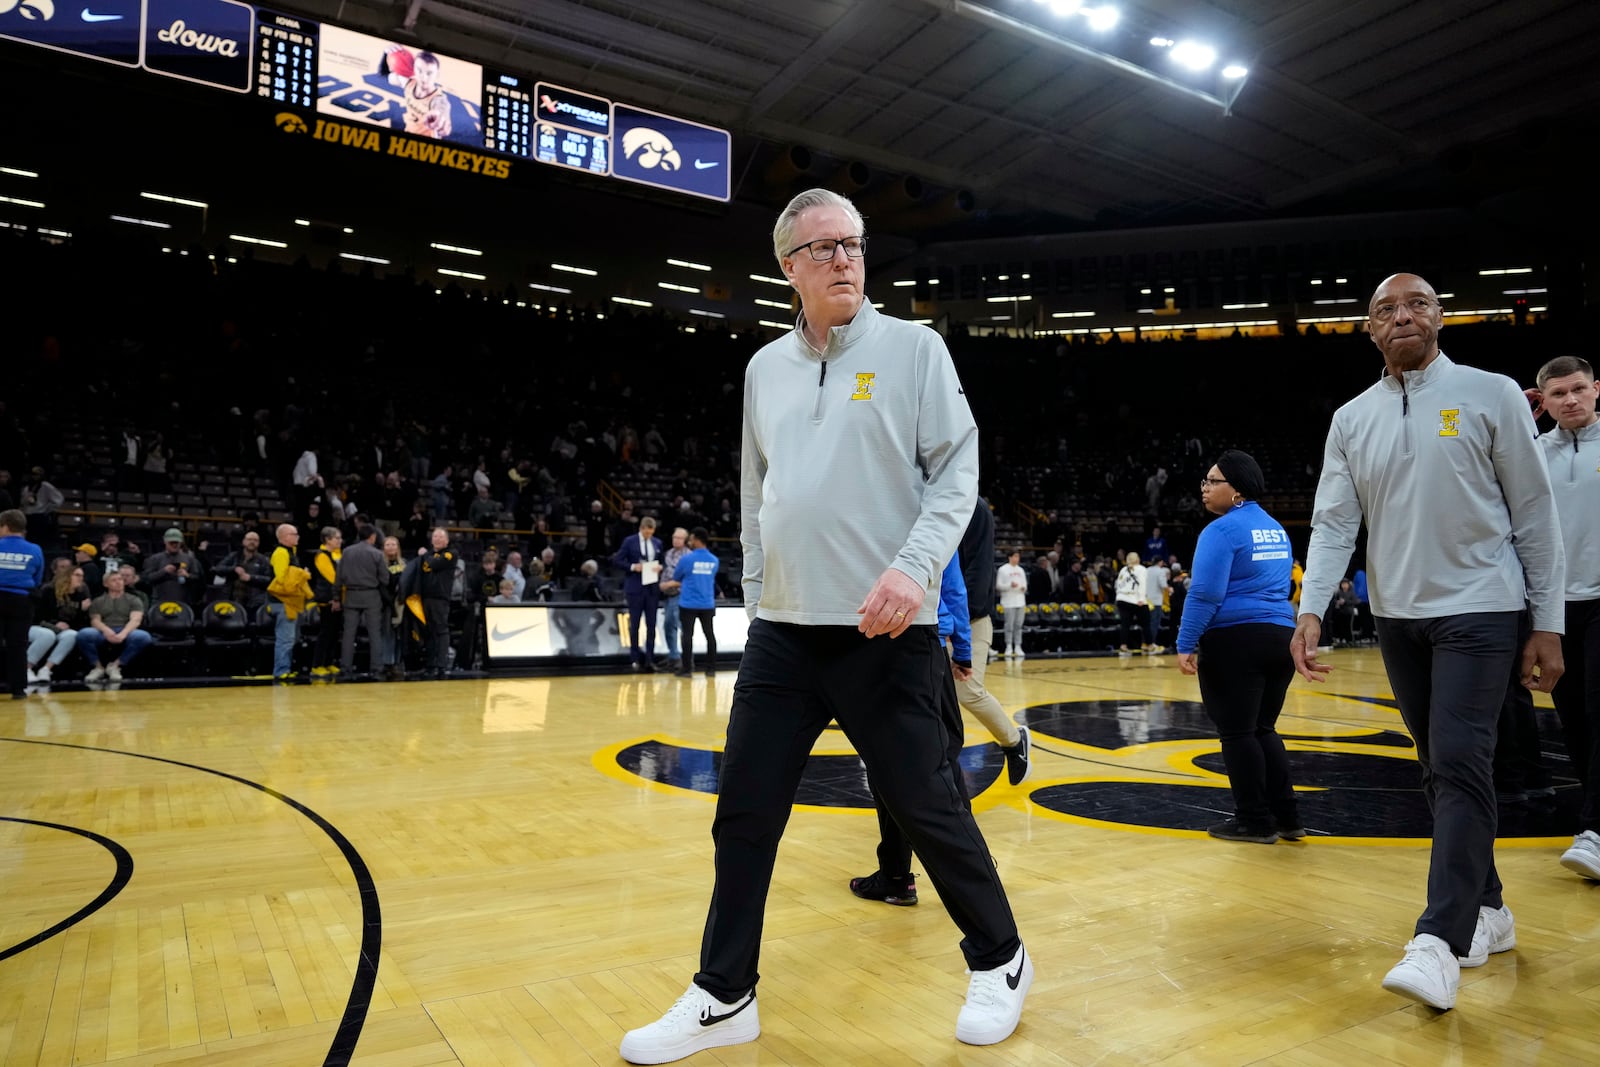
<point x="427" y="104"/>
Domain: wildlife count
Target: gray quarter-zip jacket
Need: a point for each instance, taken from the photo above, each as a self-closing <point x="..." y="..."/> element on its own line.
<point x="1456" y="497"/>
<point x="855" y="459"/>
<point x="1574" y="459"/>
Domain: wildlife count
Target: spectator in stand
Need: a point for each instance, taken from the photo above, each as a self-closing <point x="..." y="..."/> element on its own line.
<point x="40" y="502"/>
<point x="507" y="593"/>
<point x="156" y="458"/>
<point x="595" y="528"/>
<point x="1041" y="587"/>
<point x="640" y="558"/>
<point x="1012" y="585"/>
<point x="1131" y="605"/>
<point x="696" y="573"/>
<point x="21" y="572"/>
<point x="1340" y="619"/>
<point x="84" y="556"/>
<point x="416" y="528"/>
<point x="587" y="587"/>
<point x="484" y="587"/>
<point x="439" y="563"/>
<point x="1072" y="590"/>
<point x="308" y="484"/>
<point x="174" y="573"/>
<point x="626" y="526"/>
<point x="311" y="522"/>
<point x="245" y="574"/>
<point x="128" y="479"/>
<point x="515" y="574"/>
<point x="62" y="610"/>
<point x="439" y="487"/>
<point x="363" y="579"/>
<point x="671" y="588"/>
<point x="1157" y="580"/>
<point x="1153" y="487"/>
<point x="485" y="511"/>
<point x="114" y="618"/>
<point x="325" y="594"/>
<point x="113" y="554"/>
<point x="130" y="585"/>
<point x="1155" y="547"/>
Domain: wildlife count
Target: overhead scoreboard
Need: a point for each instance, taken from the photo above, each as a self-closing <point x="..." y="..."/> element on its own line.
<point x="291" y="60"/>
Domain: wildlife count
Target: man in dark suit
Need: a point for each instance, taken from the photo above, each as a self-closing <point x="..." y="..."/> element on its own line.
<point x="640" y="557"/>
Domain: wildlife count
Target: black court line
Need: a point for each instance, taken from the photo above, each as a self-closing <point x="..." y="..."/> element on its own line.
<point x="366" y="973"/>
<point x="121" y="878"/>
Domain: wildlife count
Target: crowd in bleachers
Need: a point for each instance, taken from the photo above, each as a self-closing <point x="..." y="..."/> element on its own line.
<point x="214" y="401"/>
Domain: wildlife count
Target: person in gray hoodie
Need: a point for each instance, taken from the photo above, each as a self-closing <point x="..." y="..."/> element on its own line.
<point x="1566" y="390"/>
<point x="1440" y="462"/>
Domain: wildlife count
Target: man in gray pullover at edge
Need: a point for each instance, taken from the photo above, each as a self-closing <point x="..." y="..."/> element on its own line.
<point x="1440" y="461"/>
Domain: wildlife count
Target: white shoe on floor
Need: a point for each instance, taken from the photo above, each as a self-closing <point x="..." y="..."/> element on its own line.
<point x="96" y="675"/>
<point x="33" y="676"/>
<point x="697" y="1021"/>
<point x="1429" y="974"/>
<point x="994" y="1001"/>
<point x="1584" y="855"/>
<point x="1496" y="932"/>
<point x="114" y="671"/>
<point x="42" y="675"/>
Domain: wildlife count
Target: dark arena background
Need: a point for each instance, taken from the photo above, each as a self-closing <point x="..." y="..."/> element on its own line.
<point x="498" y="267"/>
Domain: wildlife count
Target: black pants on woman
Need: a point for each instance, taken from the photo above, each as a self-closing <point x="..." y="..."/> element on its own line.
<point x="706" y="617"/>
<point x="1577" y="697"/>
<point x="1244" y="673"/>
<point x="1132" y="618"/>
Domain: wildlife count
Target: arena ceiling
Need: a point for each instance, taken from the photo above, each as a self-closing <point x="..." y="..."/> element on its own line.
<point x="1348" y="106"/>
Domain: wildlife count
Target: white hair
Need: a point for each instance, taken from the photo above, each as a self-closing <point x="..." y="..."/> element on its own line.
<point x="783" y="232"/>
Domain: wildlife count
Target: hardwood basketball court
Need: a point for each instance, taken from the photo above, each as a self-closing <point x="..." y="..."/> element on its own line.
<point x="516" y="871"/>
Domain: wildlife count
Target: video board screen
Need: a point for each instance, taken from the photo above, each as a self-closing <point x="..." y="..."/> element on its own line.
<point x="399" y="87"/>
<point x="507" y="113"/>
<point x="572" y="129"/>
<point x="107" y="30"/>
<point x="286" y="58"/>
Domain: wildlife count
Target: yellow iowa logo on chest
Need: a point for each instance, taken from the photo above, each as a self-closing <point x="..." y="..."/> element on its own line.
<point x="1450" y="422"/>
<point x="863" y="386"/>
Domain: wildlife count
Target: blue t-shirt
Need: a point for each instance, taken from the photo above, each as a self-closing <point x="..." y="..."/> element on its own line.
<point x="698" y="572"/>
<point x="1241" y="574"/>
<point x="953" y="620"/>
<point x="21" y="565"/>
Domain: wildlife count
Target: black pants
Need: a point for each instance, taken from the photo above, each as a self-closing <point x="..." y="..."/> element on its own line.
<point x="16" y="615"/>
<point x="705" y="617"/>
<point x="1244" y="673"/>
<point x="330" y="625"/>
<point x="1132" y="618"/>
<point x="894" y="851"/>
<point x="1518" y="765"/>
<point x="642" y="606"/>
<point x="1577" y="697"/>
<point x="886" y="696"/>
<point x="436" y="634"/>
<point x="1449" y="677"/>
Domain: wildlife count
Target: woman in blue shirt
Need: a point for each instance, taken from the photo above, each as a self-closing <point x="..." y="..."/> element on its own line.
<point x="1238" y="617"/>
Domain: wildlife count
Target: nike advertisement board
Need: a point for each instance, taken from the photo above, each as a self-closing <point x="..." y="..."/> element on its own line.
<point x="670" y="153"/>
<point x="107" y="30"/>
<point x="205" y="41"/>
<point x="531" y="635"/>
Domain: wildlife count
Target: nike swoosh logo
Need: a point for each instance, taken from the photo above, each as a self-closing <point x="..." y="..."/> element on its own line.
<point x="1013" y="979"/>
<point x="506" y="635"/>
<point x="701" y="164"/>
<point x="90" y="16"/>
<point x="712" y="1020"/>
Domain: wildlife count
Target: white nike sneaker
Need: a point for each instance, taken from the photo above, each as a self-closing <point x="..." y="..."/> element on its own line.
<point x="1496" y="932"/>
<point x="1584" y="855"/>
<point x="1429" y="974"/>
<point x="994" y="1001"/>
<point x="697" y="1021"/>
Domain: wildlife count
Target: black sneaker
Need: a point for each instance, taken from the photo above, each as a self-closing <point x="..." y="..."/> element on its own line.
<point x="1233" y="830"/>
<point x="1017" y="765"/>
<point x="1292" y="831"/>
<point x="901" y="892"/>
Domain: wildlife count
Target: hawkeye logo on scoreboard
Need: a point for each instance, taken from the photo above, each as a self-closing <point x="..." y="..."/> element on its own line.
<point x="373" y="139"/>
<point x="205" y="41"/>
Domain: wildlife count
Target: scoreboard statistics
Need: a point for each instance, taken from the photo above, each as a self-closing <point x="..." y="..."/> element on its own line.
<point x="404" y="86"/>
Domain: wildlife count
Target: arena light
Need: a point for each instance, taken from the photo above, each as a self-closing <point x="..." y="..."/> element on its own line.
<point x="922" y="322"/>
<point x="458" y="249"/>
<point x="17" y="200"/>
<point x="1193" y="55"/>
<point x="631" y="302"/>
<point x="585" y="271"/>
<point x="675" y="287"/>
<point x="1234" y="71"/>
<point x="1338" y="300"/>
<point x="770" y="280"/>
<point x="903" y="282"/>
<point x="263" y="241"/>
<point x="1006" y="299"/>
<point x="1244" y="307"/>
<point x="302" y="222"/>
<point x="68" y="233"/>
<point x="165" y="199"/>
<point x="448" y="272"/>
<point x="1103" y="19"/>
<point x="1493" y="271"/>
<point x="130" y="220"/>
<point x="1072" y="315"/>
<point x="549" y="288"/>
<point x="776" y="325"/>
<point x="687" y="264"/>
<point x="19" y="172"/>
<point x="364" y="259"/>
<point x="773" y="304"/>
<point x="1508" y="292"/>
<point x="707" y="314"/>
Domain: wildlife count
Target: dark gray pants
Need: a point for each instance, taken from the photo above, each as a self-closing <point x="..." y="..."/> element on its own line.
<point x="1449" y="676"/>
<point x="1577" y="697"/>
<point x="372" y="617"/>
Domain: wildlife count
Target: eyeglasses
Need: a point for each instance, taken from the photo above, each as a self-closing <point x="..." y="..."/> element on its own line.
<point x="1208" y="480"/>
<point x="824" y="250"/>
<point x="1417" y="306"/>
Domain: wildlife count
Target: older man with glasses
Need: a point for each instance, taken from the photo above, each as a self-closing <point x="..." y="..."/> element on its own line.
<point x="860" y="472"/>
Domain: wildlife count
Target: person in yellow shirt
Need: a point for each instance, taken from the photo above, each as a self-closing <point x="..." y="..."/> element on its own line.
<point x="325" y="593"/>
<point x="286" y="600"/>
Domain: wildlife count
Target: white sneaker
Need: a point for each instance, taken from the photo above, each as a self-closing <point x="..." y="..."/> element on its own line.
<point x="1584" y="855"/>
<point x="1429" y="974"/>
<point x="1496" y="932"/>
<point x="96" y="675"/>
<point x="697" y="1021"/>
<point x="114" y="671"/>
<point x="42" y="675"/>
<point x="33" y="676"/>
<point x="994" y="1001"/>
<point x="1018" y="654"/>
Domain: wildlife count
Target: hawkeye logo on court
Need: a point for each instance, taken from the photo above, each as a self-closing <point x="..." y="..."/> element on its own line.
<point x="1450" y="422"/>
<point x="863" y="386"/>
<point x="372" y="139"/>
